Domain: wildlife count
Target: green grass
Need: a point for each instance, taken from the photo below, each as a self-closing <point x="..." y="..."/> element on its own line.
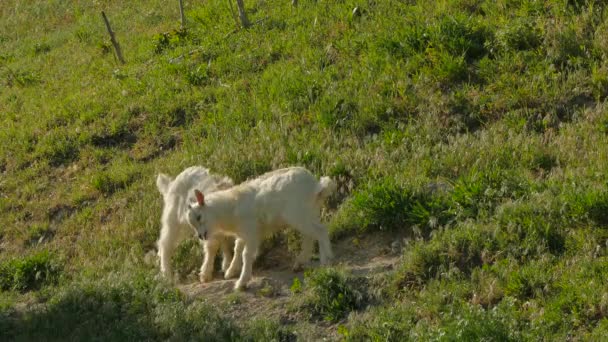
<point x="30" y="272"/>
<point x="476" y="128"/>
<point x="328" y="294"/>
<point x="119" y="307"/>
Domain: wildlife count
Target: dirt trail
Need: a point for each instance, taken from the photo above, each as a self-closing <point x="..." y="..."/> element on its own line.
<point x="268" y="294"/>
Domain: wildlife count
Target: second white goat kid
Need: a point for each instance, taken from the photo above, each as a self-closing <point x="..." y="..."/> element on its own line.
<point x="175" y="227"/>
<point x="259" y="207"/>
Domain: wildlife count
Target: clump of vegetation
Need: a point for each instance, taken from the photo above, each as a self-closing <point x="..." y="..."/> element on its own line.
<point x="30" y="272"/>
<point x="451" y="252"/>
<point x="118" y="177"/>
<point x="387" y="206"/>
<point x="39" y="232"/>
<point x="328" y="294"/>
<point x="120" y="307"/>
<point x="58" y="149"/>
<point x="169" y="40"/>
<point x="267" y="330"/>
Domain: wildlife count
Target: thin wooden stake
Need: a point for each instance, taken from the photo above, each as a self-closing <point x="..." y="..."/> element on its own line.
<point x="113" y="39"/>
<point x="181" y="12"/>
<point x="244" y="21"/>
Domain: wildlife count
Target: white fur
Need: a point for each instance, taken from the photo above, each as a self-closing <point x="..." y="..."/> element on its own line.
<point x="175" y="227"/>
<point x="257" y="208"/>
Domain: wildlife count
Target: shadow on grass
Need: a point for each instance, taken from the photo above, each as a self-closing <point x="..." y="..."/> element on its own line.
<point x="135" y="309"/>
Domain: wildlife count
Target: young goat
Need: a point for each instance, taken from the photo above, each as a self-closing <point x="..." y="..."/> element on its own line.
<point x="175" y="227"/>
<point x="257" y="208"/>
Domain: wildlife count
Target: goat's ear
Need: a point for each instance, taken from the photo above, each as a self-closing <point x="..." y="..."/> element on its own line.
<point x="200" y="198"/>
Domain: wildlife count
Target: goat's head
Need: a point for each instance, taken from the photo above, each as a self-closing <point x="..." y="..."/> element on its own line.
<point x="197" y="216"/>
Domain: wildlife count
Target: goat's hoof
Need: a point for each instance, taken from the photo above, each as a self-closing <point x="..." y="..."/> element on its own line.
<point x="230" y="273"/>
<point x="240" y="286"/>
<point x="205" y="278"/>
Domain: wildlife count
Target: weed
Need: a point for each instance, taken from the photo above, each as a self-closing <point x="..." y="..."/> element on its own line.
<point x="530" y="281"/>
<point x="385" y="205"/>
<point x="108" y="182"/>
<point x="519" y="34"/>
<point x="266" y="330"/>
<point x="29" y="273"/>
<point x="41" y="48"/>
<point x="479" y="192"/>
<point x="57" y="148"/>
<point x="458" y="250"/>
<point x="329" y="295"/>
<point x="296" y="286"/>
<point x="168" y="40"/>
<point x="38" y="232"/>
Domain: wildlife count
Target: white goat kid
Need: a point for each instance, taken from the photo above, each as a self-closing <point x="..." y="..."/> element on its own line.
<point x="175" y="227"/>
<point x="257" y="208"/>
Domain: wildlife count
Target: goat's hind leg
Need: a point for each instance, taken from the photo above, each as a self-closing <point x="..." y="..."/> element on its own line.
<point x="249" y="253"/>
<point x="237" y="259"/>
<point x="227" y="245"/>
<point x="325" y="253"/>
<point x="312" y="228"/>
<point x="305" y="254"/>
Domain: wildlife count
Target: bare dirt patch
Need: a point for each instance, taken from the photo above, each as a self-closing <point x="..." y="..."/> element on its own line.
<point x="268" y="294"/>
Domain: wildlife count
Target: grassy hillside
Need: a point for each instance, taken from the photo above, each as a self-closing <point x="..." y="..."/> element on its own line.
<point x="477" y="129"/>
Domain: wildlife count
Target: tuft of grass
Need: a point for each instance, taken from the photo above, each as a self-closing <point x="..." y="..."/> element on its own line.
<point x="267" y="330"/>
<point x="57" y="148"/>
<point x="386" y="205"/>
<point x="451" y="252"/>
<point x="328" y="294"/>
<point x="38" y="232"/>
<point x="478" y="192"/>
<point x="30" y="272"/>
<point x="118" y="177"/>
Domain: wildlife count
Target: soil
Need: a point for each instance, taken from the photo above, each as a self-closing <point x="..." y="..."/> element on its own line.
<point x="268" y="294"/>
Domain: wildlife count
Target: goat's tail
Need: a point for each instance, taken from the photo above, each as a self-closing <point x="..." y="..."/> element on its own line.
<point x="326" y="187"/>
<point x="162" y="183"/>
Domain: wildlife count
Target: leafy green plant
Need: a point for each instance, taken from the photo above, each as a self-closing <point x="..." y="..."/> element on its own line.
<point x="385" y="205"/>
<point x="30" y="272"/>
<point x="329" y="295"/>
<point x="479" y="192"/>
<point x="266" y="330"/>
<point x="168" y="40"/>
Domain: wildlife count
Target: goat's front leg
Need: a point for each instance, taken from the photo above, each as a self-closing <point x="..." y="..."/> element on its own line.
<point x="211" y="247"/>
<point x="237" y="259"/>
<point x="249" y="254"/>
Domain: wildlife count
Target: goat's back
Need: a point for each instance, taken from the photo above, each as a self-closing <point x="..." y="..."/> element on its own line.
<point x="278" y="192"/>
